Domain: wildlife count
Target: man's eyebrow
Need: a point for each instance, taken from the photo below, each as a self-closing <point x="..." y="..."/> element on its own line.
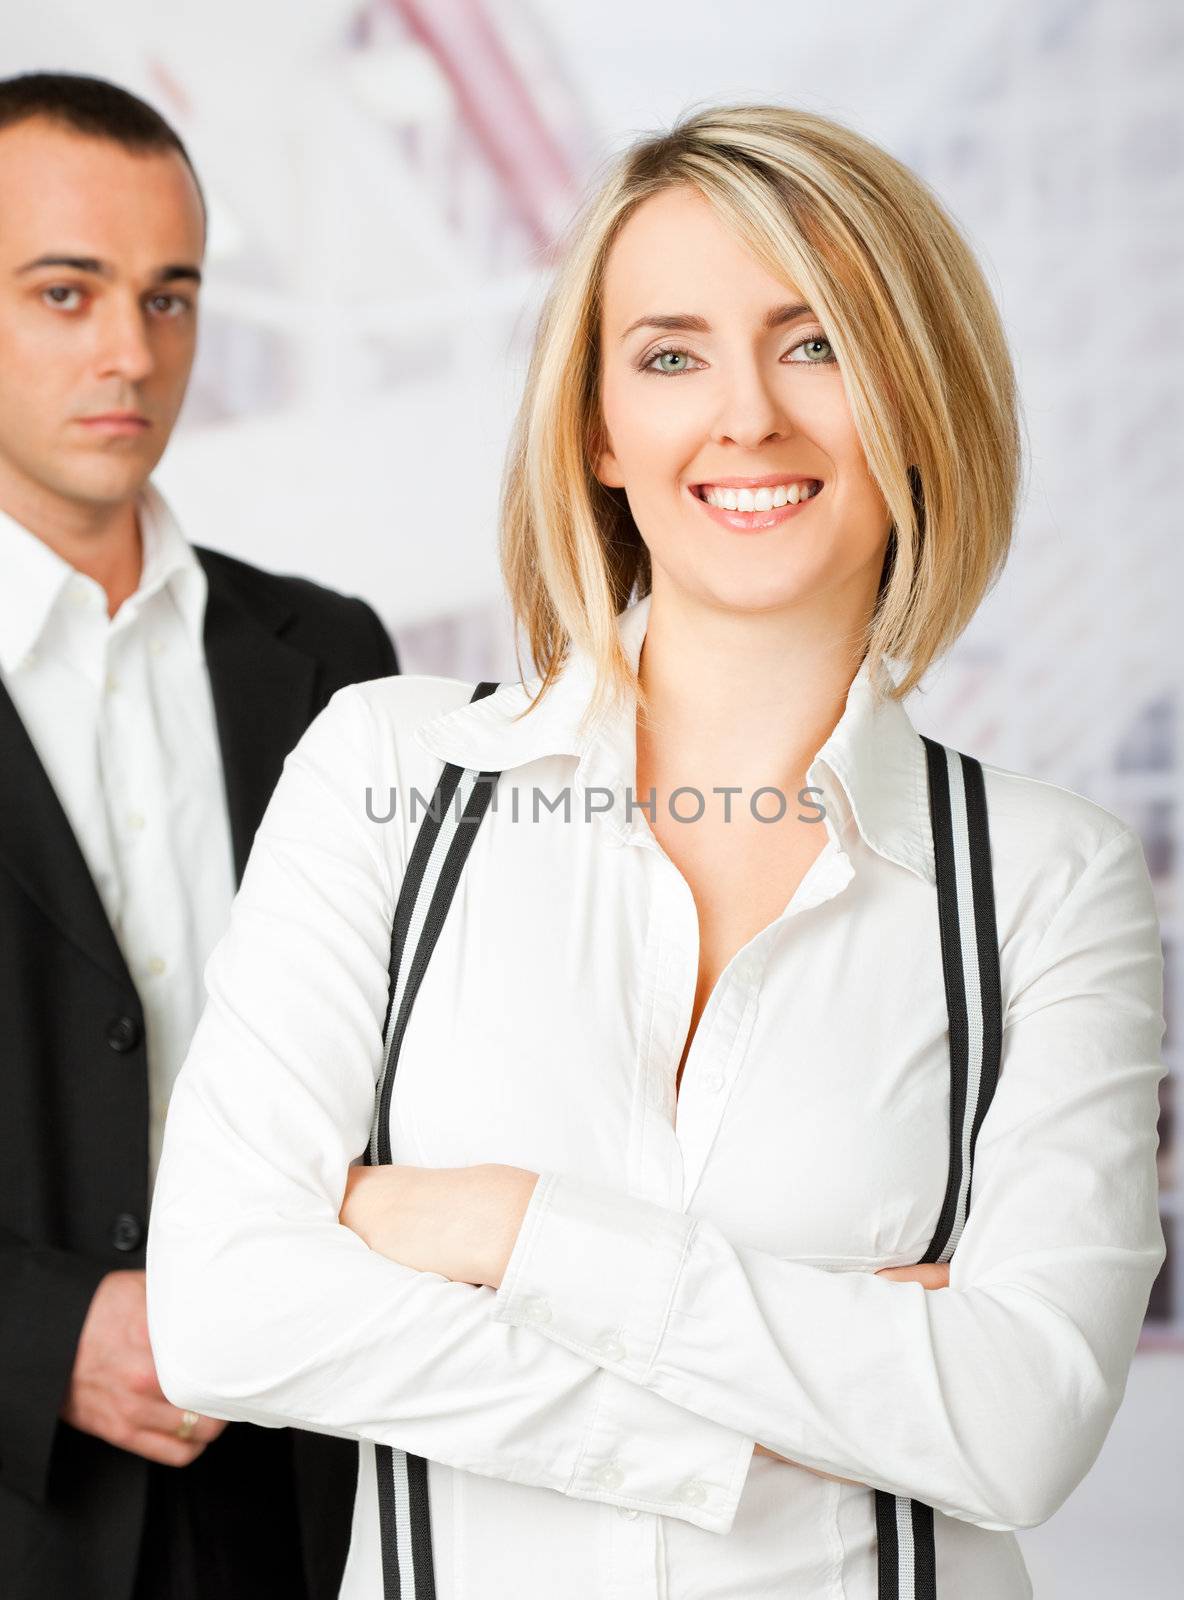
<point x="685" y="322"/>
<point x="178" y="270"/>
<point x="75" y="263"/>
<point x="171" y="273"/>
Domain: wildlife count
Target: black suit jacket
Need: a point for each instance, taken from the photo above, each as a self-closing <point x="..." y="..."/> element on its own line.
<point x="74" y="1083"/>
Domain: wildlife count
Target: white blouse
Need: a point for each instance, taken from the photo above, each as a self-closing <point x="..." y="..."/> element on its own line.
<point x="692" y="1275"/>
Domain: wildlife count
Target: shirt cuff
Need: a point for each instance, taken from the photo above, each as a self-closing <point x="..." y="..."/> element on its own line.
<point x="645" y="1453"/>
<point x="595" y="1270"/>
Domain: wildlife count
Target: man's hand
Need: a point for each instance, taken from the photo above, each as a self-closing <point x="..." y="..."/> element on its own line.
<point x="114" y="1393"/>
<point x="931" y="1275"/>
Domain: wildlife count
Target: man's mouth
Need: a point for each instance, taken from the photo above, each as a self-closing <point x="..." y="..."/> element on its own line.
<point x="115" y="422"/>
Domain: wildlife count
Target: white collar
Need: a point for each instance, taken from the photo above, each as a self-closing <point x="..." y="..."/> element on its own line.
<point x="34" y="577"/>
<point x="874" y="750"/>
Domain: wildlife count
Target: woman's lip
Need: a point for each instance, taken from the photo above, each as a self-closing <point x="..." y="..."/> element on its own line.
<point x="769" y="481"/>
<point x="755" y="521"/>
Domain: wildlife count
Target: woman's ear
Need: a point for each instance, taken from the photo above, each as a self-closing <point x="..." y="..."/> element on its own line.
<point x="604" y="462"/>
<point x="608" y="472"/>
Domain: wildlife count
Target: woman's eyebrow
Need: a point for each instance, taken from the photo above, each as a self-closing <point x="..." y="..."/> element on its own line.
<point x="686" y="322"/>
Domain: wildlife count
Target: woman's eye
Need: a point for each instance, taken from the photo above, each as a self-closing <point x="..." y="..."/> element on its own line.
<point x="820" y="354"/>
<point x="59" y="295"/>
<point x="682" y="355"/>
<point x="814" y="360"/>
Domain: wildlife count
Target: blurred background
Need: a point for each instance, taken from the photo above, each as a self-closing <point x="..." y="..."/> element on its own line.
<point x="386" y="178"/>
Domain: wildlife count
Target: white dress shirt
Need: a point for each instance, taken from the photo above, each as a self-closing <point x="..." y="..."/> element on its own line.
<point x="690" y="1277"/>
<point x="120" y="713"/>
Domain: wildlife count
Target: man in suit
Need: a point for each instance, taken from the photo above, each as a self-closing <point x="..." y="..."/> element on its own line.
<point x="149" y="692"/>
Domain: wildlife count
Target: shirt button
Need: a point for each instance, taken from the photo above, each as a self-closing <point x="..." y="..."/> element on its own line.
<point x="126" y="1231"/>
<point x="536" y="1309"/>
<point x="714" y="1081"/>
<point x="609" y="1476"/>
<point x="155" y="966"/>
<point x="123" y="1034"/>
<point x="156" y="646"/>
<point x="112" y="683"/>
<point x="611" y="1348"/>
<point x="79" y="595"/>
<point x="135" y="821"/>
<point x="628" y="1511"/>
<point x="691" y="1493"/>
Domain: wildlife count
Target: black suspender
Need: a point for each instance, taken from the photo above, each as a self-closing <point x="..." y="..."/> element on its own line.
<point x="442" y="843"/>
<point x="970" y="964"/>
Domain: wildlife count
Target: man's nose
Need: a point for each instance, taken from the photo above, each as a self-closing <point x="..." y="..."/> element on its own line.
<point x="125" y="350"/>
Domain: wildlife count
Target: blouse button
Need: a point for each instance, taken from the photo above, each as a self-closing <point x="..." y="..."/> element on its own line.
<point x="691" y="1493"/>
<point x="611" y="1348"/>
<point x="536" y="1309"/>
<point x="714" y="1081"/>
<point x="609" y="1476"/>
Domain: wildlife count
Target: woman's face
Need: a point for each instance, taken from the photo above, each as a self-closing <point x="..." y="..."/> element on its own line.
<point x="723" y="396"/>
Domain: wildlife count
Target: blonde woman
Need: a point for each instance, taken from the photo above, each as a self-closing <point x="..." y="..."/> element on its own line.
<point x="634" y="1306"/>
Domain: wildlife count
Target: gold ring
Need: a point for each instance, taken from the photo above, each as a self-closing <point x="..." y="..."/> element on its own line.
<point x="189" y="1421"/>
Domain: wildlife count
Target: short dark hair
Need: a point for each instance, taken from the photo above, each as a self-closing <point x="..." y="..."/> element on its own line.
<point x="91" y="106"/>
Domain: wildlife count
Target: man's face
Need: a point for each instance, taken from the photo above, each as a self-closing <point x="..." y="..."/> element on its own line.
<point x="100" y="250"/>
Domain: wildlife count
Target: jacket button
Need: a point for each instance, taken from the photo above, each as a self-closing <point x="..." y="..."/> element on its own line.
<point x="126" y="1231"/>
<point x="123" y="1034"/>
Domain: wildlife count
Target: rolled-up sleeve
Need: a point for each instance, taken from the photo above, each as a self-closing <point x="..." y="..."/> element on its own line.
<point x="262" y="1307"/>
<point x="988" y="1400"/>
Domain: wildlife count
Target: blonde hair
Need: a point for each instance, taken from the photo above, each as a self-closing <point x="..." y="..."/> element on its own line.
<point x="926" y="368"/>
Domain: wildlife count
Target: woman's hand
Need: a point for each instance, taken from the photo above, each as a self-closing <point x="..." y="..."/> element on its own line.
<point x="931" y="1275"/>
<point x="460" y="1222"/>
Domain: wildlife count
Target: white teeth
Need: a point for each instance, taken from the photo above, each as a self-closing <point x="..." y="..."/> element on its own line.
<point x="759" y="499"/>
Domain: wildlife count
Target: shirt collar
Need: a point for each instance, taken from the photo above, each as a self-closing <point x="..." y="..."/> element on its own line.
<point x="874" y="751"/>
<point x="170" y="561"/>
<point x="35" y="576"/>
<point x="33" y="579"/>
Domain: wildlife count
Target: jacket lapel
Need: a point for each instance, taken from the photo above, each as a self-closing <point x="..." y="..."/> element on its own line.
<point x="39" y="849"/>
<point x="263" y="693"/>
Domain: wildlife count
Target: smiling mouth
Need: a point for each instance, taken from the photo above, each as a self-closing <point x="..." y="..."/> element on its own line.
<point x="773" y="508"/>
<point x="765" y="497"/>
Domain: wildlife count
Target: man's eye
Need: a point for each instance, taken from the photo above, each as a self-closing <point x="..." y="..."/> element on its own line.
<point x="62" y="297"/>
<point x="169" y="305"/>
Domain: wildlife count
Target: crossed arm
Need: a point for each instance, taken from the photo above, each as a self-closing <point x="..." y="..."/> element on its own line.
<point x="463" y="1222"/>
